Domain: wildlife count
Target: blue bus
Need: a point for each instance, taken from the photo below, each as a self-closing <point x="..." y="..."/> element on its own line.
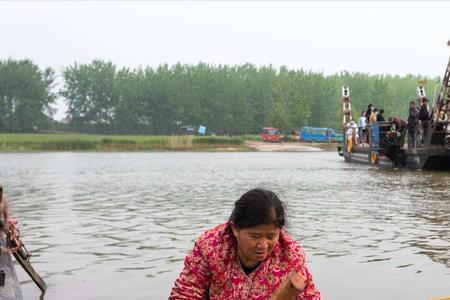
<point x="320" y="135"/>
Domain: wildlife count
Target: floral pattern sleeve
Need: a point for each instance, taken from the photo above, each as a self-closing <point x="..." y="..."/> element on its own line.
<point x="194" y="280"/>
<point x="310" y="292"/>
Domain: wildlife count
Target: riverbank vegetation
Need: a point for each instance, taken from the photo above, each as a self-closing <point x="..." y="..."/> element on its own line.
<point x="82" y="142"/>
<point x="104" y="99"/>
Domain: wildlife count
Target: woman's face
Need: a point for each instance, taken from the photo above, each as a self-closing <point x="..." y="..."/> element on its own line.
<point x="255" y="243"/>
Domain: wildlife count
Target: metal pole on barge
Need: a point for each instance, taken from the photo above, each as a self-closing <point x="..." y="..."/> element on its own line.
<point x="346" y="106"/>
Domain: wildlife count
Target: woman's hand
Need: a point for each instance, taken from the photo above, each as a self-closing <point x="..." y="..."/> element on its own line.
<point x="294" y="284"/>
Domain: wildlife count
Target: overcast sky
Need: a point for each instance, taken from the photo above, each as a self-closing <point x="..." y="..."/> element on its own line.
<point x="373" y="37"/>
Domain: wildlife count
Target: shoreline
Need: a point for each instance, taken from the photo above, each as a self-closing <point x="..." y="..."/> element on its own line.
<point x="12" y="143"/>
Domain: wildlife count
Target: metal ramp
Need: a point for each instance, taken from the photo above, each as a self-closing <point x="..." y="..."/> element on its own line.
<point x="439" y="124"/>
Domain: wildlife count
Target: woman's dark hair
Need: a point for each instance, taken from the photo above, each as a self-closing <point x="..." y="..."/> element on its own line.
<point x="258" y="207"/>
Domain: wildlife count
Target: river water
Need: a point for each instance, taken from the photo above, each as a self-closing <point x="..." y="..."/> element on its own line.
<point x="118" y="225"/>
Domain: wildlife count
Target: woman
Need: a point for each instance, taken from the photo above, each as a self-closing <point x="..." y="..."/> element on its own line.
<point x="248" y="257"/>
<point x="362" y="121"/>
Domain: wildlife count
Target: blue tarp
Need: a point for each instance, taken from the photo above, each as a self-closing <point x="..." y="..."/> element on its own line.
<point x="202" y="130"/>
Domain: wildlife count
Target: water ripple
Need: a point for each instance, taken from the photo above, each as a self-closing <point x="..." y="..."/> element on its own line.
<point x="120" y="224"/>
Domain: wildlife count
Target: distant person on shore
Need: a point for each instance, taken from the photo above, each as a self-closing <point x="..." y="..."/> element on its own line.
<point x="380" y="116"/>
<point x="413" y="119"/>
<point x="362" y="123"/>
<point x="248" y="257"/>
<point x="424" y="117"/>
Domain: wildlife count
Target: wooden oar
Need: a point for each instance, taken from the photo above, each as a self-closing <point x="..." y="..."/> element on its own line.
<point x="22" y="255"/>
<point x="18" y="250"/>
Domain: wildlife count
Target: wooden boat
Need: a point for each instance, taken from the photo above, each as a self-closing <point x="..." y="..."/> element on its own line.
<point x="9" y="283"/>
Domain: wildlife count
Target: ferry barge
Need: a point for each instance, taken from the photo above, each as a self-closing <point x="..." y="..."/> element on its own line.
<point x="383" y="145"/>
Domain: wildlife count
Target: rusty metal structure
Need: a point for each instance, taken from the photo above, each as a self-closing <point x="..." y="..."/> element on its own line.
<point x="440" y="118"/>
<point x="346" y="106"/>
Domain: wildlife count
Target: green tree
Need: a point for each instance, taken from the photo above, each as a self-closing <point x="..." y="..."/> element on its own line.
<point x="225" y="99"/>
<point x="25" y="96"/>
<point x="291" y="106"/>
<point x="91" y="93"/>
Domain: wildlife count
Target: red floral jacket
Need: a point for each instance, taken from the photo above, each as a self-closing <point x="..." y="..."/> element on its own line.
<point x="212" y="270"/>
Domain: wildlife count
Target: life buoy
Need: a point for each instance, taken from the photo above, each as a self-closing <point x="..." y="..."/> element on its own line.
<point x="374" y="158"/>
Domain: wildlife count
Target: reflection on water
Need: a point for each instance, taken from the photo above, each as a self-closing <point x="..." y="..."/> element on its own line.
<point x="111" y="225"/>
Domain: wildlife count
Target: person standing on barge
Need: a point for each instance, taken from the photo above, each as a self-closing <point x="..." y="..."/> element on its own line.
<point x="413" y="119"/>
<point x="362" y="122"/>
<point x="424" y="117"/>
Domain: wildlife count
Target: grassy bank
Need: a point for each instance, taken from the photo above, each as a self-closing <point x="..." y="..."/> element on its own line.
<point x="250" y="137"/>
<point x="77" y="142"/>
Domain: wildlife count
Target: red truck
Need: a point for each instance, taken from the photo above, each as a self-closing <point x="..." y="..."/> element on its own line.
<point x="271" y="134"/>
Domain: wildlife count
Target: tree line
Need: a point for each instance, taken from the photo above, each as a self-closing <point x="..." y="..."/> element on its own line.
<point x="102" y="98"/>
